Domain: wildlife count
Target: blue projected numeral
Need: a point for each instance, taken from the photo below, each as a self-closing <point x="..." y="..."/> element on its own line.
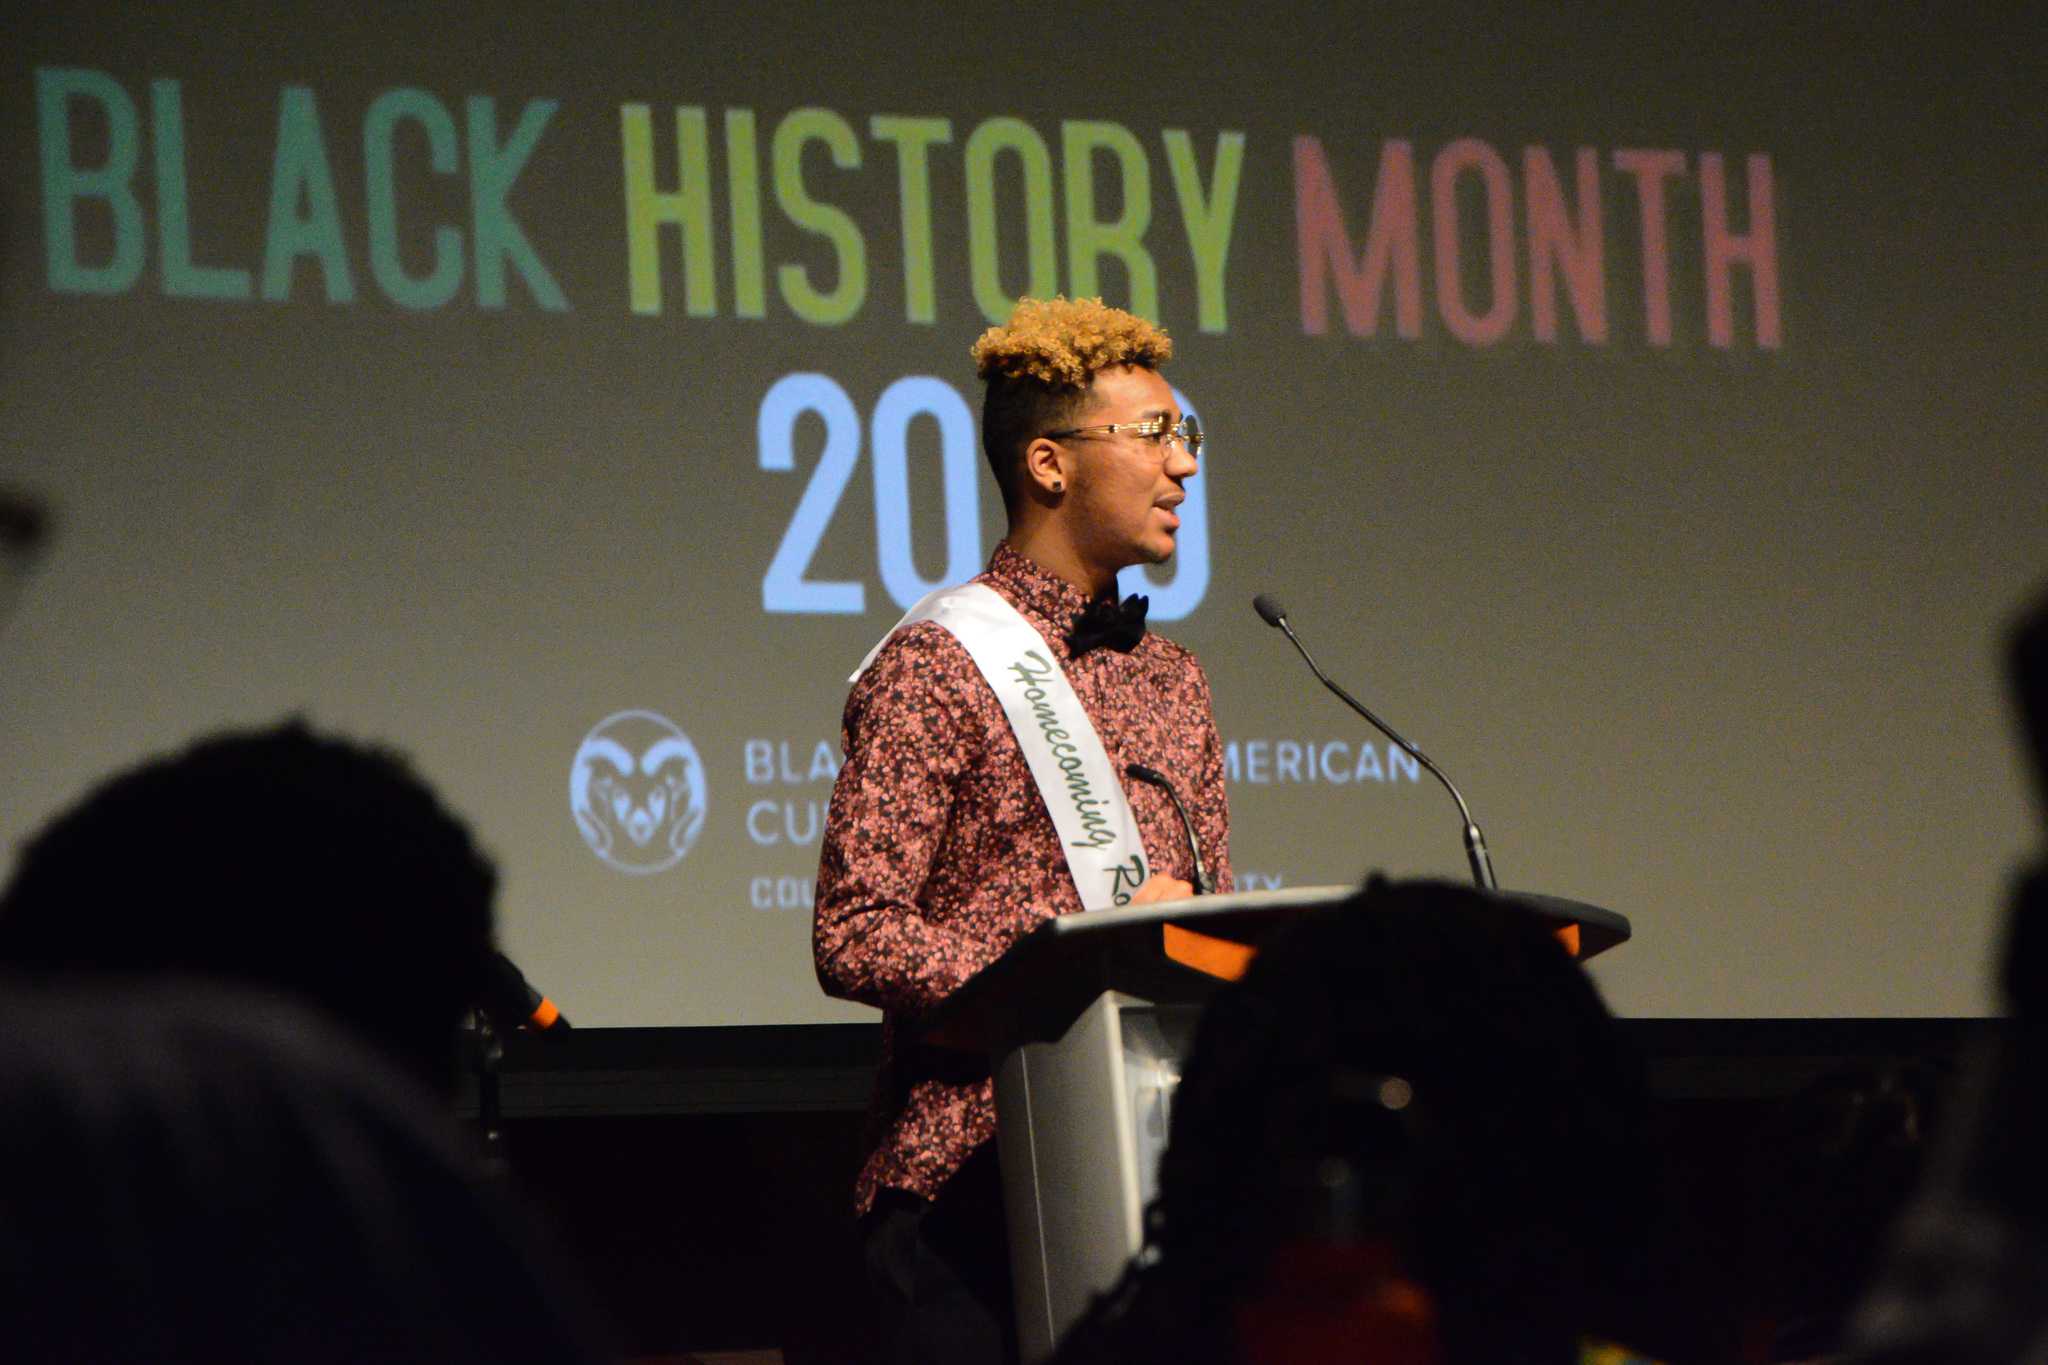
<point x="1177" y="597"/>
<point x="904" y="400"/>
<point x="784" y="587"/>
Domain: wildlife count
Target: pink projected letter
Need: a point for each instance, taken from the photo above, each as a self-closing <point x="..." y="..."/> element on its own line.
<point x="1466" y="154"/>
<point x="1324" y="244"/>
<point x="1651" y="169"/>
<point x="1555" y="247"/>
<point x="1757" y="249"/>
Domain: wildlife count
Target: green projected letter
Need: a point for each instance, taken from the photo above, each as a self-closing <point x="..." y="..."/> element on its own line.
<point x="492" y="169"/>
<point x="1089" y="238"/>
<point x="300" y="171"/>
<point x="689" y="208"/>
<point x="65" y="182"/>
<point x="1209" y="224"/>
<point x="743" y="188"/>
<point x="380" y="126"/>
<point x="844" y="300"/>
<point x="914" y="139"/>
<point x="182" y="279"/>
<point x="984" y="252"/>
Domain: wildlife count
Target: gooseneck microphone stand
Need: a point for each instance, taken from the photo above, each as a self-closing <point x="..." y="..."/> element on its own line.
<point x="1273" y="614"/>
<point x="1203" y="885"/>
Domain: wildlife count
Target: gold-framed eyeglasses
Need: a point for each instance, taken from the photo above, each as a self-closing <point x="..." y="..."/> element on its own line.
<point x="1157" y="430"/>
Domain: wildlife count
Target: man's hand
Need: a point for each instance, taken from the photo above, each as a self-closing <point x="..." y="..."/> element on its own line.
<point x="1160" y="887"/>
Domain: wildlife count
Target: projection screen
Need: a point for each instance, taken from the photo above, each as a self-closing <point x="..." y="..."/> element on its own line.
<point x="1641" y="407"/>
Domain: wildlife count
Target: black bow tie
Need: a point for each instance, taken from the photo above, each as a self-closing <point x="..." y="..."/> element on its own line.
<point x="1106" y="622"/>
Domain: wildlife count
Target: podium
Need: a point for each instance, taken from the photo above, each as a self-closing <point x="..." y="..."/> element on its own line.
<point x="1086" y="1021"/>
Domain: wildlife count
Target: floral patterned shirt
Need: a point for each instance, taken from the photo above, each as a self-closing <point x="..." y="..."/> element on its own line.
<point x="939" y="852"/>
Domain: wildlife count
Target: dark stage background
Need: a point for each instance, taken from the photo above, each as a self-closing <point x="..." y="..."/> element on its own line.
<point x="701" y="1176"/>
<point x="1640" y="404"/>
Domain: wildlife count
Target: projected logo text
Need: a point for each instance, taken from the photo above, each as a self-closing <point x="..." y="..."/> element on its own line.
<point x="794" y="824"/>
<point x="1337" y="762"/>
<point x="636" y="788"/>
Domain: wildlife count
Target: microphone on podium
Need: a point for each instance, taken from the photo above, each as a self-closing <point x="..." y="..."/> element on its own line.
<point x="1273" y="614"/>
<point x="1203" y="885"/>
<point x="512" y="1002"/>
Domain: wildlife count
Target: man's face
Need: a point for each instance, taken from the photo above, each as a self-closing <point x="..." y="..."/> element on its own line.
<point x="1124" y="488"/>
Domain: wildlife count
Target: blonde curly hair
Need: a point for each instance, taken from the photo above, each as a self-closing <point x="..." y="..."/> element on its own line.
<point x="1040" y="365"/>
<point x="1064" y="343"/>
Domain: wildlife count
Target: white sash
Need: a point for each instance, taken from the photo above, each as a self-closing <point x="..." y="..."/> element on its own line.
<point x="1105" y="852"/>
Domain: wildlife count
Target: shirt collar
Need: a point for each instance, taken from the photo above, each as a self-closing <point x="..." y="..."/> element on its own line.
<point x="1051" y="601"/>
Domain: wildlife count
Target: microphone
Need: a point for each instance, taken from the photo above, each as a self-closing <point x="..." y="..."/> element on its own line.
<point x="1273" y="614"/>
<point x="1203" y="886"/>
<point x="511" y="1001"/>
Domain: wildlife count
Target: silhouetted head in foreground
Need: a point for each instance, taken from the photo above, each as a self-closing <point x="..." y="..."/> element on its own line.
<point x="194" y="1174"/>
<point x="310" y="865"/>
<point x="1412" y="1118"/>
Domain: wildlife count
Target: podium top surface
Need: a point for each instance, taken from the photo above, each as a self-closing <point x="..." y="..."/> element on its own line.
<point x="1032" y="992"/>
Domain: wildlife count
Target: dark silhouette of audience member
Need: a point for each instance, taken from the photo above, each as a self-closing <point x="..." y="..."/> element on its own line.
<point x="281" y="858"/>
<point x="1962" y="1283"/>
<point x="1830" y="1170"/>
<point x="1408" y="1134"/>
<point x="193" y="1174"/>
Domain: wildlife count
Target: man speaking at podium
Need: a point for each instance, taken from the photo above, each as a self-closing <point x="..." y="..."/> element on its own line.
<point x="986" y="739"/>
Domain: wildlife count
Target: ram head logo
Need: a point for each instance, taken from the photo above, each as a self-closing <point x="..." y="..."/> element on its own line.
<point x="636" y="789"/>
